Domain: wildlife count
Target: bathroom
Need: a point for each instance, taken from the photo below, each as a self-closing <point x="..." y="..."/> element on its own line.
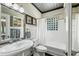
<point x="39" y="29"/>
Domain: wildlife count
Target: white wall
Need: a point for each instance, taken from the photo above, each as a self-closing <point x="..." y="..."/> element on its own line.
<point x="33" y="30"/>
<point x="46" y="36"/>
<point x="31" y="10"/>
<point x="59" y="36"/>
<point x="53" y="36"/>
<point x="41" y="29"/>
<point x="75" y="32"/>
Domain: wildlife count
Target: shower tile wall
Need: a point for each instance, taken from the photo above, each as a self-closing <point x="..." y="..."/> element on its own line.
<point x="61" y="35"/>
<point x="47" y="36"/>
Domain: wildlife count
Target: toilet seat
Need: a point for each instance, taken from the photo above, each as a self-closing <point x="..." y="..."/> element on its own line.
<point x="41" y="48"/>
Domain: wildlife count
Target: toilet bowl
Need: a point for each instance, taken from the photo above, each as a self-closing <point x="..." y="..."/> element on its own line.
<point x="39" y="49"/>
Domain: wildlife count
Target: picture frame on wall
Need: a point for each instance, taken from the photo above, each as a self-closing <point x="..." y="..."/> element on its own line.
<point x="34" y="21"/>
<point x="28" y="19"/>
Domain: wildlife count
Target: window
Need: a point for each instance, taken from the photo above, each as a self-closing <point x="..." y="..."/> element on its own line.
<point x="52" y="23"/>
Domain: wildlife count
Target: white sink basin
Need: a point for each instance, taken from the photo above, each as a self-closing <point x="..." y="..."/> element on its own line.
<point x="16" y="47"/>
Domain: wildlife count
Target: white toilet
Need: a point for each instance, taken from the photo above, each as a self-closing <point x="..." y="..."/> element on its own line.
<point x="39" y="50"/>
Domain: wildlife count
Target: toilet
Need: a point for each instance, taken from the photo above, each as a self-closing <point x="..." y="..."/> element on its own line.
<point x="39" y="50"/>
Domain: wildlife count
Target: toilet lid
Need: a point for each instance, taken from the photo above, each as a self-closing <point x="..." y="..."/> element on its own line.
<point x="41" y="48"/>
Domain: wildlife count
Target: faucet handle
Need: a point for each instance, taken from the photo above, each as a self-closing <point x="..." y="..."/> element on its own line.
<point x="10" y="41"/>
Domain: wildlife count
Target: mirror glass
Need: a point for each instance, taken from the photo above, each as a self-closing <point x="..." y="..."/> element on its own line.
<point x="11" y="24"/>
<point x="15" y="21"/>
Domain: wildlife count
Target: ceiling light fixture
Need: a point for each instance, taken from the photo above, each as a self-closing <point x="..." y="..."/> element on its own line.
<point x="15" y="6"/>
<point x="3" y="20"/>
<point x="8" y="4"/>
<point x="21" y="9"/>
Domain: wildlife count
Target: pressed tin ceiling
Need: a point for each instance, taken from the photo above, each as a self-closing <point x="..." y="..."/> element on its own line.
<point x="46" y="7"/>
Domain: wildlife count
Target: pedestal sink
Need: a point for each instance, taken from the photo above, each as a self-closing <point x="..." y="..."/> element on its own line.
<point x="16" y="47"/>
